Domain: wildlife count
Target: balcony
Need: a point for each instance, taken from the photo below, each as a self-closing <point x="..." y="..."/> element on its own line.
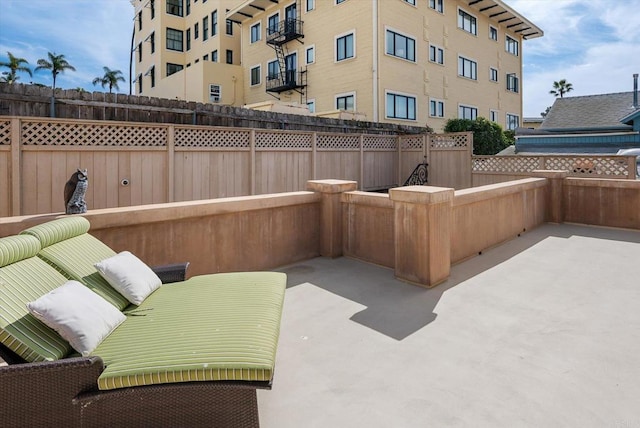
<point x="529" y="322"/>
<point x="285" y="31"/>
<point x="292" y="80"/>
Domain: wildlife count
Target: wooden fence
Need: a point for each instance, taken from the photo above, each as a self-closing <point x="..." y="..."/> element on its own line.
<point x="141" y="163"/>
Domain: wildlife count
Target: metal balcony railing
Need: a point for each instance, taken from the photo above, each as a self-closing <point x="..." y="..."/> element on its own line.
<point x="284" y="31"/>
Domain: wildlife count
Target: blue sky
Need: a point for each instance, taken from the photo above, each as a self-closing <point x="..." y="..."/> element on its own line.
<point x="594" y="44"/>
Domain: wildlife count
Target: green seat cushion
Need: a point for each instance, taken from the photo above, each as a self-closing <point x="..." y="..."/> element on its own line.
<point x="23" y="279"/>
<point x="68" y="247"/>
<point x="210" y="327"/>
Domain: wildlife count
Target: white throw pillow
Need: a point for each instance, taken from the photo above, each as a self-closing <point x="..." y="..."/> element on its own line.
<point x="80" y="316"/>
<point x="130" y="276"/>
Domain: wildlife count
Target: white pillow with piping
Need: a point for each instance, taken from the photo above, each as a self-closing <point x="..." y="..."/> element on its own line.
<point x="129" y="276"/>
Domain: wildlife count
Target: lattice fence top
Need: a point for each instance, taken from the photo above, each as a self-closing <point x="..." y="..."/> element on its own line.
<point x="5" y="133"/>
<point x="450" y="141"/>
<point x="382" y="142"/>
<point x="579" y="166"/>
<point x="90" y="134"/>
<point x="217" y="138"/>
<point x="283" y="140"/>
<point x="414" y="142"/>
<point x="337" y="142"/>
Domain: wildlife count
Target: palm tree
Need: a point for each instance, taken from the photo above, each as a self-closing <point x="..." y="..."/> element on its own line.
<point x="560" y="88"/>
<point x="14" y="64"/>
<point x="57" y="64"/>
<point x="110" y="78"/>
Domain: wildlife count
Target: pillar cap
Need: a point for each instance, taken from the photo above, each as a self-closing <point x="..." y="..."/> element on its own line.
<point x="331" y="186"/>
<point x="421" y="194"/>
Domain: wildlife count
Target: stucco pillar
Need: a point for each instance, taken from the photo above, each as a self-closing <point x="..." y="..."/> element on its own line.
<point x="331" y="213"/>
<point x="422" y="217"/>
<point x="554" y="210"/>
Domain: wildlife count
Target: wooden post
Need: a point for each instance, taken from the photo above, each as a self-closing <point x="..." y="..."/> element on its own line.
<point x="554" y="200"/>
<point x="331" y="213"/>
<point x="422" y="217"/>
<point x="252" y="162"/>
<point x="171" y="161"/>
<point x="16" y="167"/>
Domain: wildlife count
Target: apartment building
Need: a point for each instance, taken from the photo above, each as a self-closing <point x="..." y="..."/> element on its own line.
<point x="402" y="61"/>
<point x="187" y="49"/>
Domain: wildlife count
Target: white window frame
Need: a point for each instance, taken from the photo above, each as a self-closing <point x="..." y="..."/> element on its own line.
<point x="494" y="115"/>
<point x="259" y="26"/>
<point x="253" y="67"/>
<point x="493" y="71"/>
<point x="277" y="75"/>
<point x="351" y="32"/>
<point x="343" y="95"/>
<point x="491" y="27"/>
<point x="215" y="93"/>
<point x="474" y="71"/>
<point x="438" y="49"/>
<point x="437" y="5"/>
<point x="511" y="45"/>
<point x="438" y="102"/>
<point x="465" y="106"/>
<point x="308" y="3"/>
<point x="402" y="34"/>
<point x="475" y="26"/>
<point x="269" y="18"/>
<point x="306" y="54"/>
<point x="311" y="102"/>
<point x="337" y="2"/>
<point x="405" y="95"/>
<point x="508" y="121"/>
<point x="411" y="2"/>
<point x="513" y="83"/>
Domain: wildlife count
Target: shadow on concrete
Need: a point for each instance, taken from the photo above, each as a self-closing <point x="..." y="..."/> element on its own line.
<point x="398" y="309"/>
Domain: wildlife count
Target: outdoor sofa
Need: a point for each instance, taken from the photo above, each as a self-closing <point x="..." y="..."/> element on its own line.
<point x="193" y="353"/>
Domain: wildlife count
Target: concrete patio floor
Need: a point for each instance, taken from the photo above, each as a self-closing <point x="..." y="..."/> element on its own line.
<point x="543" y="331"/>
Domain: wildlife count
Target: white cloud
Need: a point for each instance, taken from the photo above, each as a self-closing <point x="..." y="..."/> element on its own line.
<point x="593" y="44"/>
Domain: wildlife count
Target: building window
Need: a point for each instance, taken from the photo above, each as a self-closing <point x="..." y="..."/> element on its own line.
<point x="493" y="116"/>
<point x="152" y="41"/>
<point x="310" y="55"/>
<point x="215" y="93"/>
<point x="513" y="83"/>
<point x="255" y="75"/>
<point x="140" y="52"/>
<point x="493" y="74"/>
<point x="467" y="22"/>
<point x="229" y="27"/>
<point x="139" y="80"/>
<point x="401" y="107"/>
<point x="467" y="68"/>
<point x="272" y="23"/>
<point x="413" y="2"/>
<point x="311" y="4"/>
<point x="437" y="5"/>
<point x="140" y="21"/>
<point x="152" y="5"/>
<point x="436" y="54"/>
<point x="196" y="30"/>
<point x="214" y="56"/>
<point x="173" y="68"/>
<point x="466" y="112"/>
<point x="174" y="7"/>
<point x="188" y="34"/>
<point x="346" y="102"/>
<point x="256" y="32"/>
<point x="493" y="33"/>
<point x="205" y="57"/>
<point x="311" y="105"/>
<point x="513" y="121"/>
<point x="511" y="45"/>
<point x="273" y="70"/>
<point x="344" y="47"/>
<point x="188" y="6"/>
<point x="401" y="46"/>
<point x="340" y="1"/>
<point x="214" y="23"/>
<point x="205" y="28"/>
<point x="229" y="56"/>
<point x="436" y="108"/>
<point x="152" y="75"/>
<point x="174" y="39"/>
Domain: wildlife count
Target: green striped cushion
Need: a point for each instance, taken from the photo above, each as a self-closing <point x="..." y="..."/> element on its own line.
<point x="75" y="258"/>
<point x="58" y="230"/>
<point x="24" y="280"/>
<point x="210" y="327"/>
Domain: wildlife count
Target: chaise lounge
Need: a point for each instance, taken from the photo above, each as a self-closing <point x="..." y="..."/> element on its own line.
<point x="193" y="353"/>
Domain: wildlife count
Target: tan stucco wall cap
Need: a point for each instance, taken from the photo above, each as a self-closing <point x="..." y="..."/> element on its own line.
<point x="421" y="194"/>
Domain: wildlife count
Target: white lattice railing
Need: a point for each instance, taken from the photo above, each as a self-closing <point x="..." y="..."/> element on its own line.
<point x="459" y="140"/>
<point x="214" y="138"/>
<point x="5" y="133"/>
<point x="577" y="165"/>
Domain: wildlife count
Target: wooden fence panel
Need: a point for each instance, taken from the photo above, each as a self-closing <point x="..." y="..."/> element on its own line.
<point x="339" y="165"/>
<point x="282" y="171"/>
<point x="5" y="181"/>
<point x="380" y="170"/>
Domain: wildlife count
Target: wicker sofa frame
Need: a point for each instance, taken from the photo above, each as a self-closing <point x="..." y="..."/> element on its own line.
<point x="65" y="393"/>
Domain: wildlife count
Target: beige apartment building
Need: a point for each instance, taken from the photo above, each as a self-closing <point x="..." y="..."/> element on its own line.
<point x="415" y="62"/>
